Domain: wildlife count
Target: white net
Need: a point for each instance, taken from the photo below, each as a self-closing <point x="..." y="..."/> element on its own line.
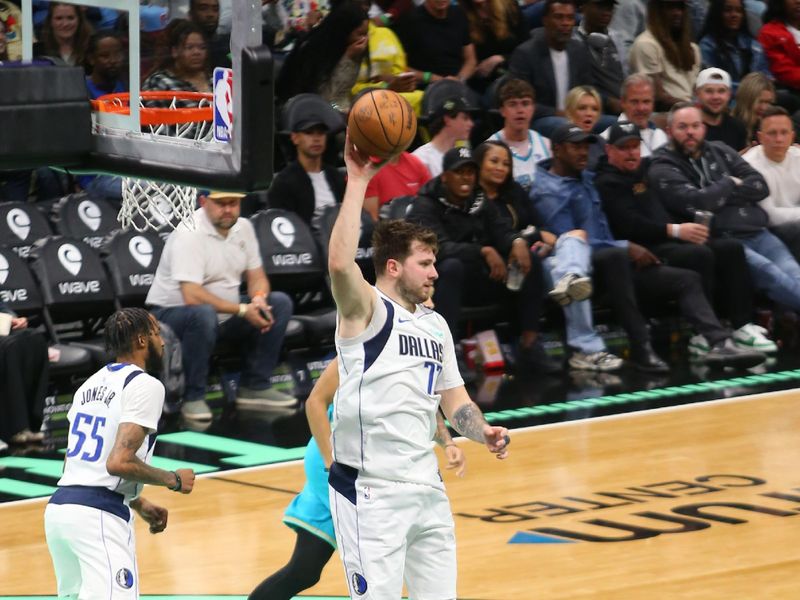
<point x="156" y="206"/>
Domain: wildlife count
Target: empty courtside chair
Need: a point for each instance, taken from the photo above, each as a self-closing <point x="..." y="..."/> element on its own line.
<point x="396" y="208"/>
<point x="131" y="258"/>
<point x="20" y="226"/>
<point x="19" y="291"/>
<point x="364" y="251"/>
<point x="84" y="218"/>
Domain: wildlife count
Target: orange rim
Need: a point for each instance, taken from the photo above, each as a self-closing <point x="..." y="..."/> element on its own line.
<point x="120" y="104"/>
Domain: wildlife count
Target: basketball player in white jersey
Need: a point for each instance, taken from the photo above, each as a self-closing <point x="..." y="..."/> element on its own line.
<point x="396" y="365"/>
<point x="113" y="421"/>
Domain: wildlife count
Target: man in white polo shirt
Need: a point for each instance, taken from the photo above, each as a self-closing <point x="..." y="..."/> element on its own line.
<point x="196" y="293"/>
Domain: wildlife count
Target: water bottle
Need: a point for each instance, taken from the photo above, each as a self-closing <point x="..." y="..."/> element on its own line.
<point x="515" y="277"/>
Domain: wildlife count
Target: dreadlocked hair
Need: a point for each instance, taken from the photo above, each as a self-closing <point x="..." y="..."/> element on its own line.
<point x="123" y="327"/>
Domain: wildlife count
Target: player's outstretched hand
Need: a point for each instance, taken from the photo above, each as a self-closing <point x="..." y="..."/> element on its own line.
<point x="187" y="480"/>
<point x="152" y="514"/>
<point x="456" y="459"/>
<point x="497" y="440"/>
<point x="359" y="165"/>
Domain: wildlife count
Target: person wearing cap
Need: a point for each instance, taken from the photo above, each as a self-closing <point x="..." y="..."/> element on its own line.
<point x="603" y="48"/>
<point x="695" y="267"/>
<point x="637" y="98"/>
<point x="476" y="245"/>
<point x="694" y="175"/>
<point x="713" y="92"/>
<point x="196" y="292"/>
<point x="566" y="198"/>
<point x="553" y="62"/>
<point x="449" y="125"/>
<point x="666" y="52"/>
<point x="307" y="185"/>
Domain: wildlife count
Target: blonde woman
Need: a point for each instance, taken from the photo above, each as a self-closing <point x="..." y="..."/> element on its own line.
<point x="756" y="93"/>
<point x="583" y="107"/>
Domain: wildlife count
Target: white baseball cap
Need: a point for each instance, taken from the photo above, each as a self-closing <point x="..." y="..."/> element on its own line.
<point x="712" y="75"/>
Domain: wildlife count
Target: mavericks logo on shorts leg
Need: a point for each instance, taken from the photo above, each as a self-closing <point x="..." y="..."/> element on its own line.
<point x="359" y="584"/>
<point x="125" y="578"/>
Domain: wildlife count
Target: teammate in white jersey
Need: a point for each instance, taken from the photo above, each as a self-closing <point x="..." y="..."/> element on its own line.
<point x="113" y="421"/>
<point x="396" y="365"/>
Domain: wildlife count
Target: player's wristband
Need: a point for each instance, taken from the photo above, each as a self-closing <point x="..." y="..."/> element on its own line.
<point x="242" y="310"/>
<point x="178" y="483"/>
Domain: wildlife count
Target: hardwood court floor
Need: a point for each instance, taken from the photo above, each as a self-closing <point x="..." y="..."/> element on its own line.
<point x="717" y="478"/>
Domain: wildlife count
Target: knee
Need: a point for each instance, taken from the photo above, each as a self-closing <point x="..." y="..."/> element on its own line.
<point x="282" y="305"/>
<point x="577" y="233"/>
<point x="203" y="319"/>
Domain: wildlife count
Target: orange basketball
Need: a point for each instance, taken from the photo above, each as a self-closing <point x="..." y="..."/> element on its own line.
<point x="381" y="123"/>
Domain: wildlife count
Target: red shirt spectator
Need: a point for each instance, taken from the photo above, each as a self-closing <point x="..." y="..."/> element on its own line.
<point x="403" y="177"/>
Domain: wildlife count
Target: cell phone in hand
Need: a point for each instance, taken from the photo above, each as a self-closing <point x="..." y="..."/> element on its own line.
<point x="265" y="314"/>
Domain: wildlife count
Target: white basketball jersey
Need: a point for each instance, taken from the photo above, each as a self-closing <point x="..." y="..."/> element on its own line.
<point x="117" y="393"/>
<point x="390" y="379"/>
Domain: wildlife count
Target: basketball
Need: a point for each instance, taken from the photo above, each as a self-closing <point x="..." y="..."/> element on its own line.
<point x="381" y="123"/>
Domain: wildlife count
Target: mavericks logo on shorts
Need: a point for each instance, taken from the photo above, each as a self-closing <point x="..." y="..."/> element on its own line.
<point x="125" y="578"/>
<point x="359" y="584"/>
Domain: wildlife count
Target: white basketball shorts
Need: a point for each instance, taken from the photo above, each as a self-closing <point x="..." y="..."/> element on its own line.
<point x="388" y="532"/>
<point x="93" y="552"/>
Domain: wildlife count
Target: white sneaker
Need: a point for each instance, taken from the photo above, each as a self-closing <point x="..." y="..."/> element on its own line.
<point x="571" y="287"/>
<point x="698" y="346"/>
<point x="597" y="361"/>
<point x="196" y="409"/>
<point x="753" y="337"/>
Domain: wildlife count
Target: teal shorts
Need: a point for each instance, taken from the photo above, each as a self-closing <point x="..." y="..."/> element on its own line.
<point x="311" y="509"/>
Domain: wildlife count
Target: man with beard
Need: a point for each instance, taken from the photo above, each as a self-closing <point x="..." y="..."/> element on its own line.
<point x="475" y="246"/>
<point x="665" y="51"/>
<point x="694" y="262"/>
<point x="397" y="365"/>
<point x="113" y="421"/>
<point x="692" y="177"/>
<point x="205" y="14"/>
<point x="196" y="293"/>
<point x="713" y="92"/>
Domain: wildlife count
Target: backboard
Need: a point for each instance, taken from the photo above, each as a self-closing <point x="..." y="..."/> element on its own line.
<point x="237" y="152"/>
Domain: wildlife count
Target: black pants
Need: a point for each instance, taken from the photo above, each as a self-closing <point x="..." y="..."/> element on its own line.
<point x="24" y="370"/>
<point x="723" y="271"/>
<point x="464" y="283"/>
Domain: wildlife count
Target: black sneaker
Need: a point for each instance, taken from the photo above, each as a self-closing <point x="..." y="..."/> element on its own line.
<point x="645" y="359"/>
<point x="535" y="359"/>
<point x="727" y="354"/>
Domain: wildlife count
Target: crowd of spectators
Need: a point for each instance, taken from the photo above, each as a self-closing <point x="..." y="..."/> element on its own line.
<point x="627" y="152"/>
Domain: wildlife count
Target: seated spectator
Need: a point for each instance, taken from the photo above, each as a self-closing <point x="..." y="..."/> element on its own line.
<point x="185" y="67"/>
<point x="726" y="42"/>
<point x="196" y="293"/>
<point x="436" y="38"/>
<point x="553" y="62"/>
<point x="607" y="70"/>
<point x="385" y="67"/>
<point x="779" y="37"/>
<point x="517" y="105"/>
<point x="307" y="185"/>
<point x="718" y="263"/>
<point x="496" y="182"/>
<point x="695" y="175"/>
<point x="205" y="14"/>
<point x="666" y="52"/>
<point x="449" y="125"/>
<point x="564" y="194"/>
<point x="777" y="158"/>
<point x="104" y="59"/>
<point x="24" y="369"/>
<point x="629" y="20"/>
<point x="475" y="247"/>
<point x="583" y="110"/>
<point x="327" y="60"/>
<point x="637" y="99"/>
<point x="403" y="176"/>
<point x="496" y="28"/>
<point x="713" y="91"/>
<point x="755" y="95"/>
<point x="65" y="35"/>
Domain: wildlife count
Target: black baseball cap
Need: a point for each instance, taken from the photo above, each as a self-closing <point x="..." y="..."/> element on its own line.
<point x="571" y="133"/>
<point x="622" y="131"/>
<point x="454" y="105"/>
<point x="457" y="157"/>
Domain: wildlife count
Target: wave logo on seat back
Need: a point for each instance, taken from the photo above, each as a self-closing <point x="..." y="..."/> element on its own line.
<point x="70" y="258"/>
<point x="141" y="249"/>
<point x="19" y="222"/>
<point x="4" y="268"/>
<point x="90" y="214"/>
<point x="283" y="230"/>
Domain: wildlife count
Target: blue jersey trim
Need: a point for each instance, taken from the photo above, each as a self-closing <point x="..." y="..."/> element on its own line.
<point x="116" y="366"/>
<point x="131" y="377"/>
<point x="95" y="497"/>
<point x="342" y="478"/>
<point x="375" y="345"/>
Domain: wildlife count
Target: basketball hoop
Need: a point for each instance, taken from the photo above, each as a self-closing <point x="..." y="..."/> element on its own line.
<point x="157" y="205"/>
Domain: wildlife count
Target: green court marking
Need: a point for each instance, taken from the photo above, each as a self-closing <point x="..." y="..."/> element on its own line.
<point x="24" y="489"/>
<point x="35" y="466"/>
<point x="245" y="454"/>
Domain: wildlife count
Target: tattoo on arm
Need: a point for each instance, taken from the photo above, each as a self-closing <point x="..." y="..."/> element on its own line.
<point x="442" y="435"/>
<point x="129" y="466"/>
<point x="468" y="421"/>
